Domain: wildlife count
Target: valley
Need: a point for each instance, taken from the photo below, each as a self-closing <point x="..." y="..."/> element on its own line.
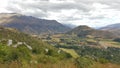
<point x="28" y="42"/>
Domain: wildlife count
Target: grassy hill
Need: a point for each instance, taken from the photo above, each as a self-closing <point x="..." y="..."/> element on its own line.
<point x="84" y="31"/>
<point x="41" y="52"/>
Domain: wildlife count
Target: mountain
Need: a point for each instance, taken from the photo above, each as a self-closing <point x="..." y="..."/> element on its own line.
<point x="83" y="31"/>
<point x="31" y="25"/>
<point x="114" y="28"/>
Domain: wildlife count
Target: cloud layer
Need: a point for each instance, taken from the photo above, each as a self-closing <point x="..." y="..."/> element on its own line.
<point x="94" y="13"/>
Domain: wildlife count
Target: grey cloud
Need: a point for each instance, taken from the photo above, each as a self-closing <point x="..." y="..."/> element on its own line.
<point x="45" y="6"/>
<point x="114" y="4"/>
<point x="19" y="7"/>
<point x="41" y="8"/>
<point x="13" y="9"/>
<point x="37" y="13"/>
<point x="48" y="6"/>
<point x="97" y="17"/>
<point x="68" y="19"/>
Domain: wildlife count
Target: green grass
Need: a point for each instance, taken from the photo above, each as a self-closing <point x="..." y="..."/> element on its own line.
<point x="71" y="52"/>
<point x="23" y="54"/>
<point x="111" y="43"/>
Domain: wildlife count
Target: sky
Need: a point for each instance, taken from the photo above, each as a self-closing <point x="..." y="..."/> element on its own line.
<point x="94" y="13"/>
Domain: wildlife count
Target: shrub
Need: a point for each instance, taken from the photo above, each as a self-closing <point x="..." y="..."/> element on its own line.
<point x="102" y="60"/>
<point x="83" y="62"/>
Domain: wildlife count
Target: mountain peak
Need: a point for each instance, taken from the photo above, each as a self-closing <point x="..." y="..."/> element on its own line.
<point x="31" y="25"/>
<point x="84" y="27"/>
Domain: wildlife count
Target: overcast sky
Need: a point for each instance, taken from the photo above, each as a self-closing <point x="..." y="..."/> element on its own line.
<point x="94" y="13"/>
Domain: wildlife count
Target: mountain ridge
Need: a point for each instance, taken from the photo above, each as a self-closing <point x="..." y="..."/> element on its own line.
<point x="32" y="25"/>
<point x="114" y="28"/>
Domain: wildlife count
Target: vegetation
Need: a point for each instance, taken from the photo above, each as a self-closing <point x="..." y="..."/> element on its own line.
<point x="70" y="51"/>
<point x="117" y="40"/>
<point x="41" y="52"/>
<point x="110" y="54"/>
<point x="91" y="50"/>
<point x="84" y="62"/>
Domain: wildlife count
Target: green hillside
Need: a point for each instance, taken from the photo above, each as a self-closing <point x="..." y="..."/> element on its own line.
<point x="71" y="52"/>
<point x="25" y="49"/>
<point x="19" y="50"/>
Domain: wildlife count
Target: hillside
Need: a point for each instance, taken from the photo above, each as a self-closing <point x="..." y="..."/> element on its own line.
<point x="114" y="28"/>
<point x="31" y="25"/>
<point x="20" y="48"/>
<point x="84" y="31"/>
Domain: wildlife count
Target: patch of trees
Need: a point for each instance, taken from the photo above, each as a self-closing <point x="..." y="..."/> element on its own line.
<point x="84" y="62"/>
<point x="103" y="55"/>
<point x="117" y="40"/>
<point x="110" y="54"/>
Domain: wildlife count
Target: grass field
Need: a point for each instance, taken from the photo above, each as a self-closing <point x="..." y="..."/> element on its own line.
<point x="71" y="52"/>
<point x="110" y="43"/>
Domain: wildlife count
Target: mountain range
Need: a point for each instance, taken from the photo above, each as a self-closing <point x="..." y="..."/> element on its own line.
<point x="36" y="26"/>
<point x="31" y="25"/>
<point x="114" y="28"/>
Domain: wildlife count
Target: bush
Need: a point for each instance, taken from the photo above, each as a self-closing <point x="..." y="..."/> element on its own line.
<point x="83" y="62"/>
<point x="103" y="61"/>
<point x="9" y="54"/>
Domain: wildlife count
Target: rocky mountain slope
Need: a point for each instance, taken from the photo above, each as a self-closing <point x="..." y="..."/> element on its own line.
<point x="31" y="25"/>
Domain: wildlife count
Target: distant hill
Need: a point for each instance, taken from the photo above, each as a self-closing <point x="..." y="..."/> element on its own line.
<point x="114" y="28"/>
<point x="31" y="25"/>
<point x="83" y="31"/>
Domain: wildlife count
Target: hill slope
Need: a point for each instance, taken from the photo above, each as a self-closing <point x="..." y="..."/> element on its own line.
<point x="31" y="25"/>
<point x="83" y="31"/>
<point x="114" y="28"/>
<point x="17" y="46"/>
